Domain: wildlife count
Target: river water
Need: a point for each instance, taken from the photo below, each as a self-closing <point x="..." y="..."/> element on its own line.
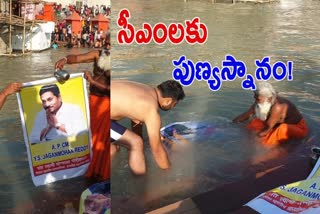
<point x="287" y="30"/>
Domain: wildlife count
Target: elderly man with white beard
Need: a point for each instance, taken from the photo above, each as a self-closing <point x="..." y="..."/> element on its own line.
<point x="277" y="120"/>
<point x="99" y="102"/>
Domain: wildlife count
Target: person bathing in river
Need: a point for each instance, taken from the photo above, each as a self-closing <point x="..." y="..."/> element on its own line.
<point x="277" y="120"/>
<point x="141" y="104"/>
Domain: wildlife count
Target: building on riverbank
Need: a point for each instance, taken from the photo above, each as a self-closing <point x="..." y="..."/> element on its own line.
<point x="27" y="25"/>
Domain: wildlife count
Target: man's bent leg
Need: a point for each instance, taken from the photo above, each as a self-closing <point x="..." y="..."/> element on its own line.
<point x="136" y="156"/>
<point x="285" y="131"/>
<point x="134" y="143"/>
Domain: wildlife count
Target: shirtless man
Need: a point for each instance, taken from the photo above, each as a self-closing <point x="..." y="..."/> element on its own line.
<point x="141" y="104"/>
<point x="277" y="119"/>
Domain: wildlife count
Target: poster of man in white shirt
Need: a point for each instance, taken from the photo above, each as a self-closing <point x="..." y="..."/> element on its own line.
<point x="57" y="119"/>
<point x="55" y="122"/>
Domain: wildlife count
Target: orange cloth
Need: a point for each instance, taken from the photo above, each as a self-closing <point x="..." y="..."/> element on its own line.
<point x="281" y="133"/>
<point x="100" y="131"/>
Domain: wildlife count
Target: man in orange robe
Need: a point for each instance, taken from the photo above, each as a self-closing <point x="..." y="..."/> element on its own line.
<point x="99" y="102"/>
<point x="277" y="120"/>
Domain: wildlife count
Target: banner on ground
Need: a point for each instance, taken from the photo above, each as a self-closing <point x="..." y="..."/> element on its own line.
<point x="299" y="197"/>
<point x="55" y="121"/>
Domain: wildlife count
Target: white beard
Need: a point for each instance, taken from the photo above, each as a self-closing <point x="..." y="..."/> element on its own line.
<point x="262" y="110"/>
<point x="104" y="62"/>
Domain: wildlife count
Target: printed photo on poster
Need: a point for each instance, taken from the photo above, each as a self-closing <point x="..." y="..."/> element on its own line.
<point x="57" y="119"/>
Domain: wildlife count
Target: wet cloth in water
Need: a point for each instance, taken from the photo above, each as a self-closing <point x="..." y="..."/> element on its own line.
<point x="281" y="133"/>
<point x="100" y="131"/>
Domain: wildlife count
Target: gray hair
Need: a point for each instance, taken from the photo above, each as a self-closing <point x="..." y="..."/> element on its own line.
<point x="265" y="89"/>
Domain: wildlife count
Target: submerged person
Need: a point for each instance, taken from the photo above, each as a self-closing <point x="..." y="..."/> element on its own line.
<point x="99" y="102"/>
<point x="141" y="103"/>
<point x="277" y="119"/>
<point x="10" y="89"/>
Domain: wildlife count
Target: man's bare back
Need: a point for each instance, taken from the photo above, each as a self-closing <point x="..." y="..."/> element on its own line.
<point x="132" y="100"/>
<point x="288" y="113"/>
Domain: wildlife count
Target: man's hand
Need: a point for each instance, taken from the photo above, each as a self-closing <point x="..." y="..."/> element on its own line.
<point x="87" y="75"/>
<point x="12" y="88"/>
<point x="60" y="63"/>
<point x="51" y="119"/>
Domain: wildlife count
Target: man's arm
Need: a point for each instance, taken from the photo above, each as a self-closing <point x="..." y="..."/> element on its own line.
<point x="272" y="120"/>
<point x="44" y="132"/>
<point x="153" y="123"/>
<point x="101" y="86"/>
<point x="10" y="89"/>
<point x="244" y="116"/>
<point x="81" y="58"/>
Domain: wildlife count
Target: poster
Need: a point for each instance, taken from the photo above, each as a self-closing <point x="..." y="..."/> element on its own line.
<point x="56" y="129"/>
<point x="298" y="197"/>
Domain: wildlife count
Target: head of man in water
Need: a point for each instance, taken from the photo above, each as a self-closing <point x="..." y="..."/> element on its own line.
<point x="171" y="92"/>
<point x="265" y="96"/>
<point x="50" y="98"/>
